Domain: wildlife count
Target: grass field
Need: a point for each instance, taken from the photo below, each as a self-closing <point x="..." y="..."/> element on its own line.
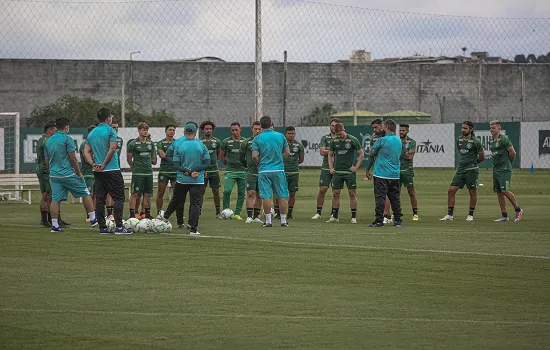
<point x="429" y="284"/>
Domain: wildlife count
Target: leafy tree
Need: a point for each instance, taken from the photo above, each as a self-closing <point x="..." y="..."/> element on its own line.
<point x="82" y="112"/>
<point x="520" y="59"/>
<point x="319" y="116"/>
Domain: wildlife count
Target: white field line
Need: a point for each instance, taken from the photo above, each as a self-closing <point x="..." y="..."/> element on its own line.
<point x="321" y="245"/>
<point x="281" y="317"/>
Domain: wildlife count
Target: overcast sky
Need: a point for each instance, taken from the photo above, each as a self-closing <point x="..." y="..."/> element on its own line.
<point x="322" y="31"/>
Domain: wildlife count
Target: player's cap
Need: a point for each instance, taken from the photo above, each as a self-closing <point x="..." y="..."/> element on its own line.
<point x="190" y="127"/>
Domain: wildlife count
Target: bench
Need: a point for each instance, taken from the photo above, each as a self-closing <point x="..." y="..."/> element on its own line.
<point x="14" y="187"/>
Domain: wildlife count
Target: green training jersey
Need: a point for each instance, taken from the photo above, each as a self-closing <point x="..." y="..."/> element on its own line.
<point x="213" y="146"/>
<point x="232" y="149"/>
<point x="344" y="152"/>
<point x="40" y="158"/>
<point x="468" y="149"/>
<point x="143" y="153"/>
<point x="246" y="157"/>
<point x="407" y="164"/>
<point x="326" y="141"/>
<point x="499" y="153"/>
<point x="86" y="168"/>
<point x="166" y="166"/>
<point x="291" y="162"/>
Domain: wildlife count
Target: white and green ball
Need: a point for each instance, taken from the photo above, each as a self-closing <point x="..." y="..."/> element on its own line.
<point x="110" y="225"/>
<point x="144" y="226"/>
<point x="159" y="226"/>
<point x="226" y="214"/>
<point x="131" y="224"/>
<point x="167" y="227"/>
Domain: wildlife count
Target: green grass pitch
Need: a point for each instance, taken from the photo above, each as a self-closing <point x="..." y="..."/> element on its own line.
<point x="429" y="284"/>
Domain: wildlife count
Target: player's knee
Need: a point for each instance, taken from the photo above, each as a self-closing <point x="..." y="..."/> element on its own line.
<point x="323" y="190"/>
<point x="336" y="194"/>
<point x="292" y="194"/>
<point x="352" y="194"/>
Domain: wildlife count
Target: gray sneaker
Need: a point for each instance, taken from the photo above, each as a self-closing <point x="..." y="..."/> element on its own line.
<point x="502" y="219"/>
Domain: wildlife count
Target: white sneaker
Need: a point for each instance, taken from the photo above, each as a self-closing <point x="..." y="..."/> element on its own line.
<point x="161" y="216"/>
<point x="196" y="233"/>
<point x="317" y="216"/>
<point x="353" y="220"/>
<point x="448" y="218"/>
<point x="249" y="220"/>
<point x="333" y="219"/>
<point x="258" y="221"/>
<point x="502" y="219"/>
<point x="387" y="221"/>
<point x="470" y="218"/>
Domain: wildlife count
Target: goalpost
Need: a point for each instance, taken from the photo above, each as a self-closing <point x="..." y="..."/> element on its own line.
<point x="10" y="145"/>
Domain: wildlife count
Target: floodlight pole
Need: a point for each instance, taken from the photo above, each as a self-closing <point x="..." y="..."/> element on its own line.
<point x="258" y="65"/>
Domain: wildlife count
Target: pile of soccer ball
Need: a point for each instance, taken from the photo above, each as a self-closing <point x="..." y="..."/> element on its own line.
<point x="143" y="225"/>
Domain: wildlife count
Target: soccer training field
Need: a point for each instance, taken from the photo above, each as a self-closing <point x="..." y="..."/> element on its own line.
<point x="429" y="284"/>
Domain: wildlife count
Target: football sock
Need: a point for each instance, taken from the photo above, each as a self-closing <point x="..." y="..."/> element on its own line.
<point x="277" y="211"/>
<point x="283" y="218"/>
<point x="415" y="211"/>
<point x="55" y="223"/>
<point x="471" y="212"/>
<point x="110" y="210"/>
<point x="132" y="213"/>
<point x="147" y="212"/>
<point x="335" y="212"/>
<point x="319" y="209"/>
<point x="249" y="212"/>
<point x="268" y="218"/>
<point x="256" y="213"/>
<point x="504" y="214"/>
<point x="218" y="210"/>
<point x="91" y="215"/>
<point x="44" y="215"/>
<point x="518" y="209"/>
<point x="290" y="211"/>
<point x="387" y="215"/>
<point x="354" y="213"/>
<point x="450" y="211"/>
<point x="49" y="217"/>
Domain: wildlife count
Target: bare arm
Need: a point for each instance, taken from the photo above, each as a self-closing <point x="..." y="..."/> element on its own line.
<point x="480" y="157"/>
<point x="286" y="152"/>
<point x="74" y="163"/>
<point x="256" y="157"/>
<point x="154" y="159"/>
<point x="511" y="153"/>
<point x="88" y="156"/>
<point x="360" y="157"/>
<point x="222" y="157"/>
<point x="331" y="161"/>
<point x="130" y="160"/>
<point x="324" y="151"/>
<point x="301" y="159"/>
<point x="409" y="155"/>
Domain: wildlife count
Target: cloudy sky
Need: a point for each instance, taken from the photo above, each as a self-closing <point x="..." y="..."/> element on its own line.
<point x="322" y="31"/>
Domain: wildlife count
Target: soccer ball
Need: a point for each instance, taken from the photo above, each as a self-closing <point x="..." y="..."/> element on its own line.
<point x="144" y="226"/>
<point x="226" y="214"/>
<point x="110" y="225"/>
<point x="167" y="227"/>
<point x="158" y="226"/>
<point x="131" y="224"/>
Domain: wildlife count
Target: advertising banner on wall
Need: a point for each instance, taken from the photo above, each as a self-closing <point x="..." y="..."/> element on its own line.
<point x="2" y="150"/>
<point x="535" y="144"/>
<point x="435" y="146"/>
<point x="483" y="133"/>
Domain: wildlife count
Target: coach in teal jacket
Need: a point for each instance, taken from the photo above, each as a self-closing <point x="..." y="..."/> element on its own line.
<point x="387" y="151"/>
<point x="190" y="157"/>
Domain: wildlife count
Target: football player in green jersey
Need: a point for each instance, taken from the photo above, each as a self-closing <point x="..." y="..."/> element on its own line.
<point x="292" y="170"/>
<point x="407" y="170"/>
<point x="141" y="156"/>
<point x="167" y="172"/>
<point x="343" y="149"/>
<point x="87" y="172"/>
<point x="235" y="171"/>
<point x="326" y="177"/>
<point x="109" y="202"/>
<point x="253" y="201"/>
<point x="43" y="174"/>
<point x="471" y="154"/>
<point x="212" y="172"/>
<point x="503" y="154"/>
